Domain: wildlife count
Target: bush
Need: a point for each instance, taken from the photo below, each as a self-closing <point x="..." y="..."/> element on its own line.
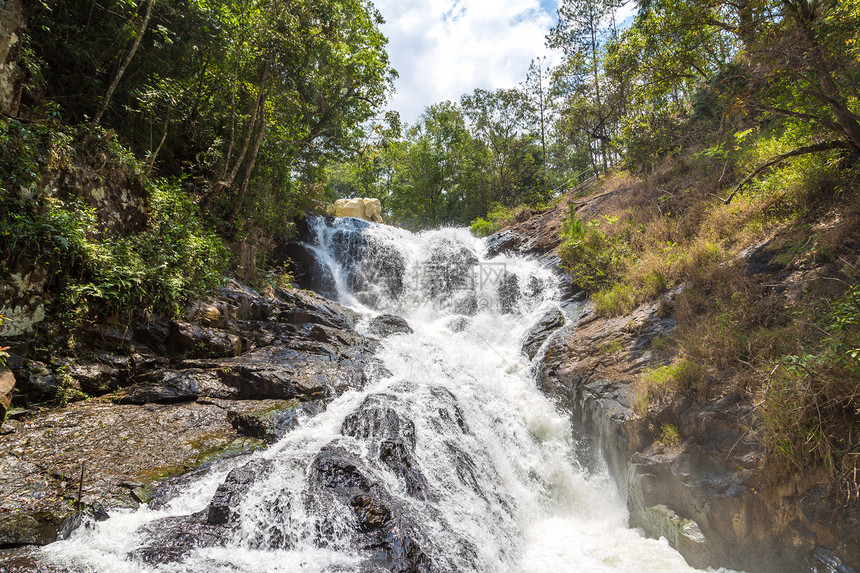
<point x="498" y="217"/>
<point x="482" y="228"/>
<point x="669" y="435"/>
<point x="158" y="270"/>
<point x="811" y="401"/>
<point x="683" y="377"/>
<point x="174" y="259"/>
<point x="594" y="259"/>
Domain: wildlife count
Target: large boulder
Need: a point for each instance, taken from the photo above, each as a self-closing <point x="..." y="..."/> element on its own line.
<point x="373" y="210"/>
<point x="388" y="324"/>
<point x="367" y="209"/>
<point x="7" y="387"/>
<point x="12" y="74"/>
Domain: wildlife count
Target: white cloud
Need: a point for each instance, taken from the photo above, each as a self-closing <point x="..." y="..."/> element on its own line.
<point x="445" y="48"/>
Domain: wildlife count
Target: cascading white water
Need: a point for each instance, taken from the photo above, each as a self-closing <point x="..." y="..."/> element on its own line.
<point x="484" y="476"/>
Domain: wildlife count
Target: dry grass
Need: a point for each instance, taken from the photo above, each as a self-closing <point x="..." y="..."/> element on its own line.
<point x="771" y="335"/>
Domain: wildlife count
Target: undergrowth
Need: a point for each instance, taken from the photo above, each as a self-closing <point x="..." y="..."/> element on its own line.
<point x="96" y="275"/>
<point x="500" y="216"/>
<point x="782" y="331"/>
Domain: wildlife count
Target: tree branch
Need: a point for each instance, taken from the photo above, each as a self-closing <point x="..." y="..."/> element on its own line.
<point x="824" y="146"/>
<point x="125" y="63"/>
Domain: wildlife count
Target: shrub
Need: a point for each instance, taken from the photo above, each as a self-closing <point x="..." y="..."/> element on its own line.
<point x="482" y="228"/>
<point x="174" y="259"/>
<point x="681" y="377"/>
<point x="593" y="258"/>
<point x="669" y="435"/>
<point x="499" y="216"/>
<point x="811" y="401"/>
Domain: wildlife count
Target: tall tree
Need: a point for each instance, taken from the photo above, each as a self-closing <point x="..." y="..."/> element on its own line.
<point x="580" y="34"/>
<point x="536" y="88"/>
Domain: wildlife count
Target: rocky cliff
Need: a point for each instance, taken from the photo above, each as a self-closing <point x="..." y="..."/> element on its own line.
<point x="708" y="493"/>
<point x="11" y="47"/>
<point x="236" y="373"/>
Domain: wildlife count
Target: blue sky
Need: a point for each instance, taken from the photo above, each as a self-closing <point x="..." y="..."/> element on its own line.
<point x="444" y="48"/>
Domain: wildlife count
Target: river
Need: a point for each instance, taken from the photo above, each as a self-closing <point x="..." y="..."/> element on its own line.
<point x="472" y="467"/>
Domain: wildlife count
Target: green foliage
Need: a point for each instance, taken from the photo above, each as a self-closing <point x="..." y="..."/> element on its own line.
<point x="498" y="217"/>
<point x="246" y="99"/>
<point x="3" y="349"/>
<point x="281" y="277"/>
<point x="594" y="259"/>
<point x="66" y="390"/>
<point x="683" y="377"/>
<point x="669" y="435"/>
<point x="457" y="163"/>
<point x="176" y="257"/>
<point x="811" y="403"/>
<point x="482" y="228"/>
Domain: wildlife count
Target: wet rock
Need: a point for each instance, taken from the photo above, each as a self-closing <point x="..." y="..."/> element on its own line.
<point x="171" y="539"/>
<point x="508" y="292"/>
<point x="552" y="320"/>
<point x="458" y="324"/>
<point x="378" y="272"/>
<point x="388" y="324"/>
<point x="28" y="515"/>
<point x="41" y="459"/>
<point x="40" y="381"/>
<point x="309" y="272"/>
<point x="109" y="338"/>
<point x="281" y="373"/>
<point x="167" y="386"/>
<point x="202" y="341"/>
<point x="95" y="378"/>
<point x="383" y="526"/>
<point x="390" y="437"/>
<point x="272" y="424"/>
<point x="223" y="508"/>
<point x="206" y="313"/>
<point x="466" y="303"/>
<point x="7" y="388"/>
<point x="155" y="335"/>
<point x="175" y="416"/>
<point x="449" y="268"/>
<point x="503" y="242"/>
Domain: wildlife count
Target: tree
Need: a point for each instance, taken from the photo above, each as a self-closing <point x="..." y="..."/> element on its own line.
<point x="536" y="88"/>
<point x="499" y="120"/>
<point x="580" y="35"/>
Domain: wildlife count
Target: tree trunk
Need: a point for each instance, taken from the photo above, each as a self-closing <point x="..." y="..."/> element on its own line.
<point x="125" y="63"/>
<point x="848" y="122"/>
<point x="160" y="143"/>
<point x="261" y="134"/>
<point x="258" y="102"/>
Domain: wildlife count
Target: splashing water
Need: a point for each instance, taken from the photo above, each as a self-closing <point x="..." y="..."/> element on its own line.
<point x="452" y="461"/>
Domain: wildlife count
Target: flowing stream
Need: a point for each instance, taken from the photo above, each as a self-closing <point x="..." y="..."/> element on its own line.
<point x="452" y="446"/>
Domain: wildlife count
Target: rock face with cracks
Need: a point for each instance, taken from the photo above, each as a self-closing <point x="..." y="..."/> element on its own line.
<point x="709" y="495"/>
<point x="239" y="371"/>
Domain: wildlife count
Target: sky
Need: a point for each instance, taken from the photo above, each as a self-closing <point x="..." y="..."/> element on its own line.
<point x="445" y="48"/>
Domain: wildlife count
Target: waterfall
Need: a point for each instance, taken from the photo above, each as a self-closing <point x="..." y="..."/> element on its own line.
<point x="450" y="460"/>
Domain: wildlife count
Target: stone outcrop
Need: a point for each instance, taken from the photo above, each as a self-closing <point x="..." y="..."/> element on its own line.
<point x="388" y="324"/>
<point x="237" y="372"/>
<point x="709" y="495"/>
<point x="7" y="388"/>
<point x="11" y="47"/>
<point x="120" y="202"/>
<point x="367" y="209"/>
